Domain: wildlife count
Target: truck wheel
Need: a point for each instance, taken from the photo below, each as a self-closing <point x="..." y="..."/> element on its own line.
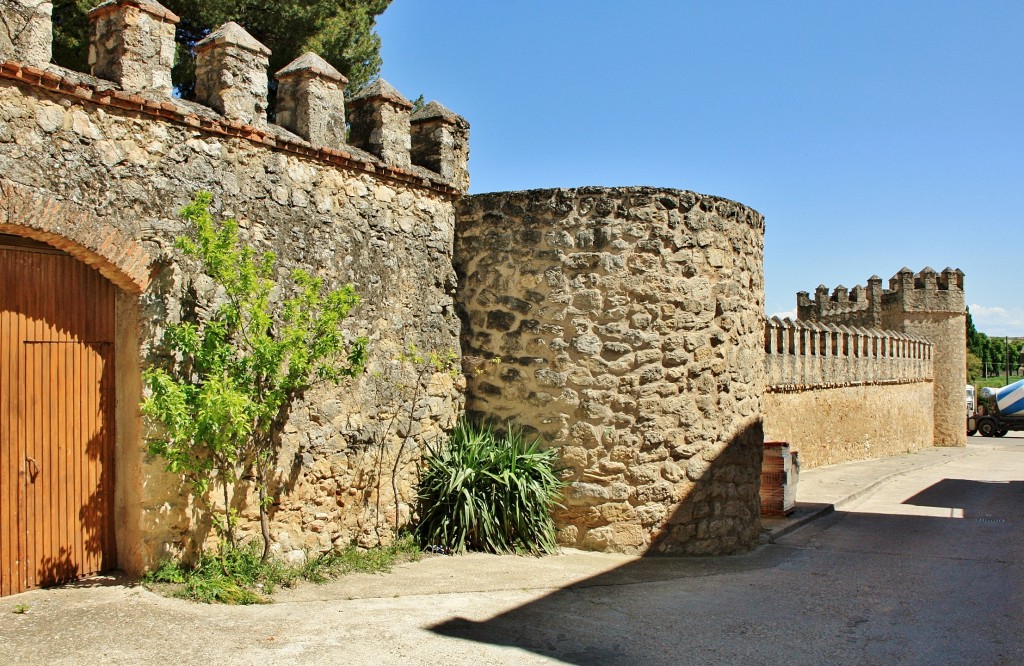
<point x="971" y="432"/>
<point x="1002" y="432"/>
<point x="987" y="428"/>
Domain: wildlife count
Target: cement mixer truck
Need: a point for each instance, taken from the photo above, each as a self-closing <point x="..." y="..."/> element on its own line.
<point x="999" y="411"/>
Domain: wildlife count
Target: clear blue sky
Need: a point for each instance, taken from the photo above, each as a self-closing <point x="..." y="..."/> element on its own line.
<point x="872" y="135"/>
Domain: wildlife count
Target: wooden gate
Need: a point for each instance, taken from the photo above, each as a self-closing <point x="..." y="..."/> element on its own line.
<point x="56" y="417"/>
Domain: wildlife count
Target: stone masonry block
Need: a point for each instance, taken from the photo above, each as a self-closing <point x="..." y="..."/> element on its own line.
<point x="131" y="42"/>
<point x="379" y="117"/>
<point x="440" y="142"/>
<point x="311" y="100"/>
<point x="28" y="34"/>
<point x="231" y="74"/>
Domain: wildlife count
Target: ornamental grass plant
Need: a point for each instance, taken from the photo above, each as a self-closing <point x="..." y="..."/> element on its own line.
<point x="490" y="491"/>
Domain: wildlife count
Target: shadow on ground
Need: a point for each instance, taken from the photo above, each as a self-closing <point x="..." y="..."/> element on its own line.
<point x="976" y="499"/>
<point x="849" y="588"/>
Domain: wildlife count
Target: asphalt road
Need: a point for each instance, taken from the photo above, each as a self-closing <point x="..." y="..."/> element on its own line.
<point x="926" y="569"/>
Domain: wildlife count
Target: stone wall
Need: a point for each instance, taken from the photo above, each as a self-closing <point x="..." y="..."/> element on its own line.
<point x="805" y="355"/>
<point x="837" y="424"/>
<point x="840" y="393"/>
<point x="623" y="326"/>
<point x="927" y="304"/>
<point x="91" y="166"/>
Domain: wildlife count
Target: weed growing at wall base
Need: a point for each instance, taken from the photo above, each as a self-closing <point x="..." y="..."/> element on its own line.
<point x="240" y="576"/>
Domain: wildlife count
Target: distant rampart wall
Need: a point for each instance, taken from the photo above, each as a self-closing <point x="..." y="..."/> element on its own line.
<point x="840" y="393"/>
<point x="929" y="304"/>
<point x="808" y="355"/>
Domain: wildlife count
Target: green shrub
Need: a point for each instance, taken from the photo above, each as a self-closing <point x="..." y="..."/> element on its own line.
<point x="488" y="491"/>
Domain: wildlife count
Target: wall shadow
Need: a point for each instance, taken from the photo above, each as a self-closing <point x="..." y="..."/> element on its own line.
<point x="718" y="514"/>
<point x="670" y="610"/>
<point x="976" y="499"/>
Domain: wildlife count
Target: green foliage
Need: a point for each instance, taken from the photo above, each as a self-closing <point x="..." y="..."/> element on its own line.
<point x="20" y="609"/>
<point x="446" y="362"/>
<point x="993" y="355"/>
<point x="240" y="576"/>
<point x="974" y="367"/>
<point x="230" y="575"/>
<point x="341" y="31"/>
<point x="333" y="564"/>
<point x="71" y="33"/>
<point x="996" y="381"/>
<point x="224" y="397"/>
<point x="488" y="491"/>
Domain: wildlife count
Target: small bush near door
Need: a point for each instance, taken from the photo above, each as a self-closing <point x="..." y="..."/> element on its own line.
<point x="489" y="491"/>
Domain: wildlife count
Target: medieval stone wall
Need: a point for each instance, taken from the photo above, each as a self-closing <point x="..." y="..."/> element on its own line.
<point x="840" y="393"/>
<point x="90" y="164"/>
<point x="623" y="326"/>
<point x="840" y="423"/>
<point x="926" y="304"/>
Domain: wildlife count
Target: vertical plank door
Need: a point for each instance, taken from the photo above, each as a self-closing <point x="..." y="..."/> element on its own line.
<point x="56" y="406"/>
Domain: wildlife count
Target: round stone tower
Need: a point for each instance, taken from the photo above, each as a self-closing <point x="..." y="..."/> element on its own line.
<point x="624" y="327"/>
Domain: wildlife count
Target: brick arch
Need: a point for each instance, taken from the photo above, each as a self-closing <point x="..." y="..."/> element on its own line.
<point x="29" y="212"/>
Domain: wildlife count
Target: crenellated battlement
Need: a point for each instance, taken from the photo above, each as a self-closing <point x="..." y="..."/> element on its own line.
<point x="927" y="303"/>
<point x="131" y="53"/>
<point x="807" y="354"/>
<point x="873" y="306"/>
<point x="926" y="291"/>
<point x="841" y="392"/>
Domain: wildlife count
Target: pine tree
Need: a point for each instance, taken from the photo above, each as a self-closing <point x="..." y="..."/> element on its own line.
<point x="340" y="31"/>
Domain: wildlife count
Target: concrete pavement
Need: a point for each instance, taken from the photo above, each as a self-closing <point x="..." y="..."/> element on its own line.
<point x="822" y="490"/>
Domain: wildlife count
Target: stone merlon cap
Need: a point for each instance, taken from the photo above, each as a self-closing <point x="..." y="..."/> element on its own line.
<point x="311" y="63"/>
<point x="234" y="35"/>
<point x="381" y="89"/>
<point x="148" y="6"/>
<point x="437" y="111"/>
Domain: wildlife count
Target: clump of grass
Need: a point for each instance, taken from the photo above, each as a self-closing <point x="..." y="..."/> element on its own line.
<point x="239" y="576"/>
<point x="334" y="564"/>
<point x="21" y="609"/>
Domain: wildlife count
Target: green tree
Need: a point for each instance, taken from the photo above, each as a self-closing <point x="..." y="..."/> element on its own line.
<point x="972" y="333"/>
<point x="974" y="366"/>
<point x="225" y="396"/>
<point x="341" y="31"/>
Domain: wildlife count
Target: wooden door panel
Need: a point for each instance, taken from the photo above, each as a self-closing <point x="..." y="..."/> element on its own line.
<point x="69" y="484"/>
<point x="11" y="459"/>
<point x="56" y="417"/>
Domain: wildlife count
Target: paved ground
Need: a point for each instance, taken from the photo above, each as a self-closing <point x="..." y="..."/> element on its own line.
<point x="919" y="563"/>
